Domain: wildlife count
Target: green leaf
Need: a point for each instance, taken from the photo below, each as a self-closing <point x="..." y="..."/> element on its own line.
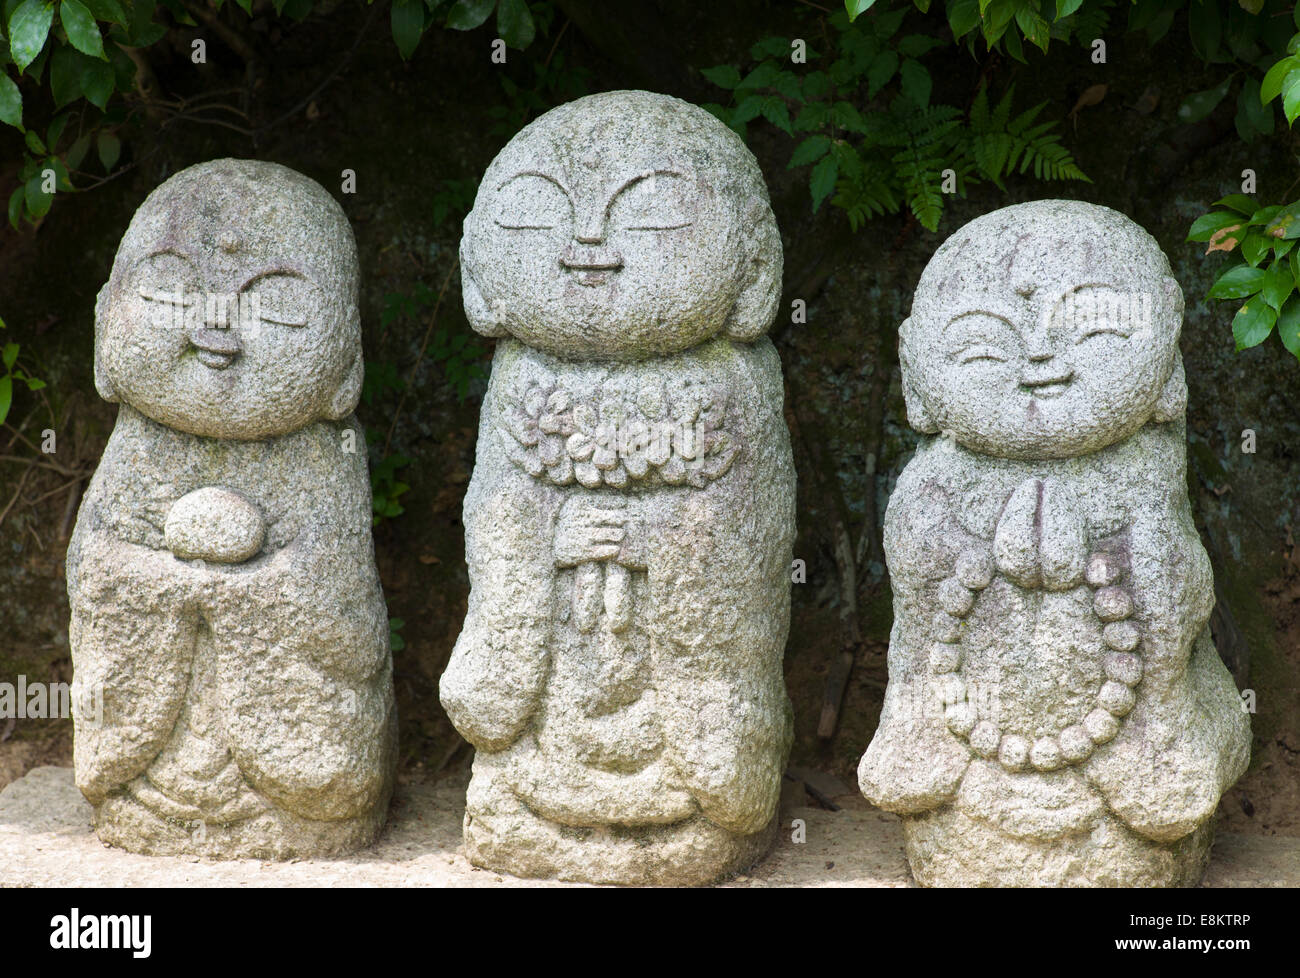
<point x="822" y="181"/>
<point x="1264" y="215"/>
<point x="1288" y="325"/>
<point x="1286" y="223"/>
<point x="82" y="30"/>
<point x="465" y="15"/>
<point x="77" y="151"/>
<point x="407" y="20"/>
<point x="810" y="150"/>
<point x="97" y="82"/>
<point x="724" y="76"/>
<point x="11" y="102"/>
<point x="33" y="140"/>
<point x="1036" y="30"/>
<point x="915" y="45"/>
<point x="28" y="26"/>
<point x="963" y="17"/>
<point x="9" y="354"/>
<point x="1254" y="247"/>
<point x="1066" y="7"/>
<point x="6" y="395"/>
<point x="855" y="8"/>
<point x="1278" y="284"/>
<point x="748" y="108"/>
<point x="770" y="47"/>
<point x="1237" y="283"/>
<point x="109" y="148"/>
<point x="1271" y="87"/>
<point x="38" y="201"/>
<point x="55" y="131"/>
<point x="1291" y="96"/>
<point x="1203" y="227"/>
<point x="1253" y="117"/>
<point x="775" y="112"/>
<point x="1252" y="324"/>
<point x="16" y="201"/>
<point x="916" y="82"/>
<point x="65" y="75"/>
<point x="1241" y="203"/>
<point x="1205" y="28"/>
<point x="880" y="71"/>
<point x="515" y="24"/>
<point x="1200" y="104"/>
<point x="107" y="10"/>
<point x="812" y="116"/>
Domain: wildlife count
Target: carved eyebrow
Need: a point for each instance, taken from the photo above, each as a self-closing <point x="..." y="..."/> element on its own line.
<point x="981" y="312"/>
<point x="292" y="271"/>
<point x="537" y="173"/>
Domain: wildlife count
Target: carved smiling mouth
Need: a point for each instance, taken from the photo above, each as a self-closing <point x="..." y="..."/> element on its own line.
<point x="1047" y="387"/>
<point x="592" y="272"/>
<point x="214" y="349"/>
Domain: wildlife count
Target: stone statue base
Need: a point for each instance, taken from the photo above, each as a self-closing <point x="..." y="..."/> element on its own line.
<point x="124" y="822"/>
<point x="950" y="848"/>
<point x="503" y="834"/>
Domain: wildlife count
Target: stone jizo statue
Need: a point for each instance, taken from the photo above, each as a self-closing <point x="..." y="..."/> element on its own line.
<point x="630" y="518"/>
<point x="1056" y="712"/>
<point x="221" y="574"/>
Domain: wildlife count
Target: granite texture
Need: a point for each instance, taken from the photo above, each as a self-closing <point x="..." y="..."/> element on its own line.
<point x="225" y="601"/>
<point x="1056" y="711"/>
<point x="630" y="518"/>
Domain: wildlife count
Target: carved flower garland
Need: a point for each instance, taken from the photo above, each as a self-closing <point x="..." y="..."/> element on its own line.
<point x="613" y="440"/>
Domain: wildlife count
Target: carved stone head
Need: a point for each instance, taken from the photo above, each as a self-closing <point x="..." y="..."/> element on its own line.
<point x="620" y="226"/>
<point x="231" y="310"/>
<point x="1044" y="330"/>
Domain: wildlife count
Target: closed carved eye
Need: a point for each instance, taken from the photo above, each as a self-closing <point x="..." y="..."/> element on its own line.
<point x="1099" y="310"/>
<point x="972" y="354"/>
<point x="283" y="298"/>
<point x="168" y="278"/>
<point x="981" y="336"/>
<point x="652" y="202"/>
<point x="531" y="202"/>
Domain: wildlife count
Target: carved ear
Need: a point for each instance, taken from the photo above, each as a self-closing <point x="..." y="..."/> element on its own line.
<point x="918" y="415"/>
<point x="102" y="384"/>
<point x="1172" y="403"/>
<point x="480" y="315"/>
<point x="760" y="291"/>
<point x="344" y="401"/>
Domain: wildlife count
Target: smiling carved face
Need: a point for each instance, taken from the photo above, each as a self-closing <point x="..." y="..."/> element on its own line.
<point x="620" y="226"/>
<point x="1044" y="330"/>
<point x="231" y="309"/>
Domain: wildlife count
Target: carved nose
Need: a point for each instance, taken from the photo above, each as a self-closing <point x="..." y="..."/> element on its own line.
<point x="216" y="340"/>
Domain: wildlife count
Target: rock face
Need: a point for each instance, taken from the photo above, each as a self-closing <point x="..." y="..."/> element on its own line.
<point x="1056" y="711"/>
<point x="225" y="602"/>
<point x="630" y="518"/>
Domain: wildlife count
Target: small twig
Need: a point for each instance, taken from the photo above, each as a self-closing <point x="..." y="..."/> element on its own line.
<point x="228" y="35"/>
<point x="40" y="464"/>
<point x="19" y="491"/>
<point x="54" y="492"/>
<point x="551" y="53"/>
<point x="343" y="62"/>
